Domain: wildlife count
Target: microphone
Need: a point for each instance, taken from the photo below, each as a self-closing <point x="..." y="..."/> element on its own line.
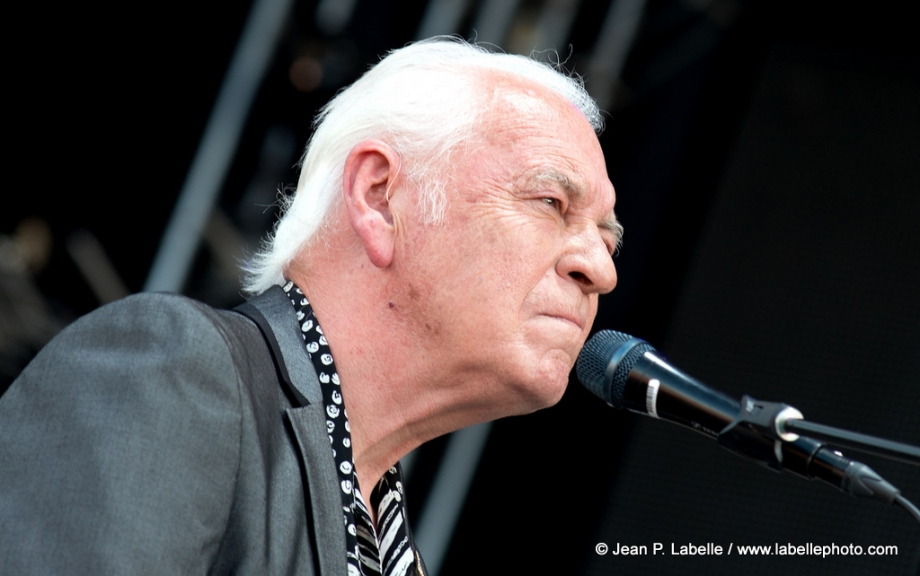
<point x="629" y="374"/>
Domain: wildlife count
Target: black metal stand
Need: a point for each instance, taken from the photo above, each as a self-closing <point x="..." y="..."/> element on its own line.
<point x="762" y="433"/>
<point x="855" y="440"/>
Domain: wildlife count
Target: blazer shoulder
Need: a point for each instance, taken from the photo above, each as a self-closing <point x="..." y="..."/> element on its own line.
<point x="134" y="411"/>
<point x="273" y="313"/>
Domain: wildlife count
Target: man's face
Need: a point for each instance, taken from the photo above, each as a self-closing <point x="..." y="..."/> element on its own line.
<point x="505" y="292"/>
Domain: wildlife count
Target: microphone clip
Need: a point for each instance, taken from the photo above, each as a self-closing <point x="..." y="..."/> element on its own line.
<point x="755" y="433"/>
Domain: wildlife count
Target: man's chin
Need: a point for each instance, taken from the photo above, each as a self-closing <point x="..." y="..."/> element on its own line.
<point x="548" y="386"/>
<point x="546" y="398"/>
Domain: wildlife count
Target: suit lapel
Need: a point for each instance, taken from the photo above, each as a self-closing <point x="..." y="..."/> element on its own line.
<point x="273" y="314"/>
<point x="323" y="488"/>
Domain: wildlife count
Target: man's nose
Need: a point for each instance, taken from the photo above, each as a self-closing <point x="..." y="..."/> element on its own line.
<point x="589" y="263"/>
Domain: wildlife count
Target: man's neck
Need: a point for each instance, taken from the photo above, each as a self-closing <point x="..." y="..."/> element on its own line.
<point x="398" y="394"/>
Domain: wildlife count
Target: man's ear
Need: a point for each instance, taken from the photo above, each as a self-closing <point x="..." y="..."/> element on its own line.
<point x="371" y="172"/>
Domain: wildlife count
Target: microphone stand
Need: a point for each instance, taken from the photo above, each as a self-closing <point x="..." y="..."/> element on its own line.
<point x="766" y="421"/>
<point x="767" y="432"/>
<point x="854" y="440"/>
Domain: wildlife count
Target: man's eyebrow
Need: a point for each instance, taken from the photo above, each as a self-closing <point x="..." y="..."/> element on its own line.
<point x="613" y="225"/>
<point x="551" y="175"/>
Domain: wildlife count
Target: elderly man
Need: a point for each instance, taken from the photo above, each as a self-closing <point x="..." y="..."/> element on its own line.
<point x="438" y="266"/>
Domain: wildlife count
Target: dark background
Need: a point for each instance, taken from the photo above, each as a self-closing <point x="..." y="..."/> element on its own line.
<point x="766" y="158"/>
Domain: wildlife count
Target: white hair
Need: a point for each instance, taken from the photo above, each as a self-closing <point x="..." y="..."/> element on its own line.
<point x="423" y="100"/>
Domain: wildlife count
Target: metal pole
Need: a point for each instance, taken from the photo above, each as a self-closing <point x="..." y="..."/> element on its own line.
<point x="218" y="144"/>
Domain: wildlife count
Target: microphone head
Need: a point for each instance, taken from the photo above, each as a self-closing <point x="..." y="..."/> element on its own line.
<point x="605" y="362"/>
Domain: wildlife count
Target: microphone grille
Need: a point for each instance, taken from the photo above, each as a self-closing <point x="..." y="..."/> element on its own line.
<point x="616" y="350"/>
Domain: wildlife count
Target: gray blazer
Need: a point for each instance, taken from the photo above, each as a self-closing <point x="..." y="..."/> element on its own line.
<point x="160" y="436"/>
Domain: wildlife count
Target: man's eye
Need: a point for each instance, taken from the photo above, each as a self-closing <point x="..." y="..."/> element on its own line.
<point x="553" y="202"/>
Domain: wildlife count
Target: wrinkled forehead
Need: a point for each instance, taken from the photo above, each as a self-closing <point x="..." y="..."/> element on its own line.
<point x="510" y="97"/>
<point x="522" y="108"/>
<point x="539" y="127"/>
<point x="530" y="94"/>
<point x="524" y="100"/>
